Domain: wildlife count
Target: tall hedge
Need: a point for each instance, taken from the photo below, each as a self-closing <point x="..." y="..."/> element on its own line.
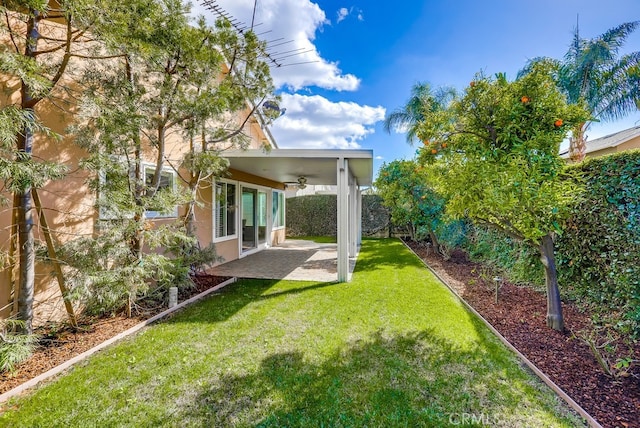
<point x="599" y="250"/>
<point x="316" y="215"/>
<point x="312" y="215"/>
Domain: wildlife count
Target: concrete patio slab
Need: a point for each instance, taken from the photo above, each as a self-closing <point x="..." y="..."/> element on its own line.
<point x="293" y="260"/>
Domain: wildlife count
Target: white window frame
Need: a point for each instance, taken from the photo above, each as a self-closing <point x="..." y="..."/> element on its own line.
<point x="281" y="210"/>
<point x="214" y="206"/>
<point x="149" y="167"/>
<point x="104" y="214"/>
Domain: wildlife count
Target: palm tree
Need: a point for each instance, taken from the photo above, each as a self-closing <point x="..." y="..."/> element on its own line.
<point x="423" y="100"/>
<point x="593" y="73"/>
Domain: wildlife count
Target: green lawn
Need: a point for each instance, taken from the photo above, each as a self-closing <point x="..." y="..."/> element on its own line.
<point x="392" y="348"/>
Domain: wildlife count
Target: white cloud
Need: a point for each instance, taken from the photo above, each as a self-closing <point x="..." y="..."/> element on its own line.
<point x="313" y="122"/>
<point x="343" y="12"/>
<point x="290" y="26"/>
<point x="379" y="157"/>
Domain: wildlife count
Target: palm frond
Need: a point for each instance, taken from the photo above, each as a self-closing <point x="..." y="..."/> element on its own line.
<point x="592" y="71"/>
<point x="617" y="36"/>
<point x="424" y="100"/>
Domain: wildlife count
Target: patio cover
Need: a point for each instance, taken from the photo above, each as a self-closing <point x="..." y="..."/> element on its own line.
<point x="346" y="169"/>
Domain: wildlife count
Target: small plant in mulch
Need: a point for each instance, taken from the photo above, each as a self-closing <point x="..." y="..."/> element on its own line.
<point x="15" y="347"/>
<point x="614" y="354"/>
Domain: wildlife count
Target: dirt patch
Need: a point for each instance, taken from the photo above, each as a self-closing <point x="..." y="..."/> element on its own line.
<point x="59" y="344"/>
<point x="520" y="316"/>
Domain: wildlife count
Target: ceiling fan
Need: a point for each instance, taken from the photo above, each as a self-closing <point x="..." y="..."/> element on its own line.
<point x="301" y="183"/>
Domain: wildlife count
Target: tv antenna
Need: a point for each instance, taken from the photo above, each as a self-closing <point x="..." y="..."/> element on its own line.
<point x="272" y="56"/>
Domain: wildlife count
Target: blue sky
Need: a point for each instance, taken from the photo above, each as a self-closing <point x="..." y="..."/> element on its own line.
<point x="365" y="56"/>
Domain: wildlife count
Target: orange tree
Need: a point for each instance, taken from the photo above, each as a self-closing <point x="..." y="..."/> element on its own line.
<point x="494" y="156"/>
<point x="404" y="190"/>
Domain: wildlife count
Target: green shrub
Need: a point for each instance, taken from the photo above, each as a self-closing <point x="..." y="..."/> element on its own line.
<point x="316" y="215"/>
<point x="452" y="234"/>
<point x="375" y="216"/>
<point x="600" y="247"/>
<point x="105" y="277"/>
<point x="517" y="261"/>
<point x="14" y="347"/>
<point x="312" y="215"/>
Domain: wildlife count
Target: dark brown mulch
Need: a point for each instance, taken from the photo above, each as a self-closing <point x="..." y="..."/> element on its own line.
<point x="520" y="315"/>
<point x="59" y="344"/>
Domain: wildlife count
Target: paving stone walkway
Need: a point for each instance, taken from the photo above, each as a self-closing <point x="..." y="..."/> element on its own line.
<point x="293" y="260"/>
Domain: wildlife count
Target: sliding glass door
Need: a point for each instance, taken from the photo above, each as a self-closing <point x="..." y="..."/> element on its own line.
<point x="254" y="218"/>
<point x="248" y="219"/>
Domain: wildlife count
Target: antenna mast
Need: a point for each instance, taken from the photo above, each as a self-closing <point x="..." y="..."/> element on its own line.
<point x="273" y="57"/>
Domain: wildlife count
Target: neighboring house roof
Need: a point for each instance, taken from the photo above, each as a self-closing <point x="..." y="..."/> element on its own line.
<point x="608" y="141"/>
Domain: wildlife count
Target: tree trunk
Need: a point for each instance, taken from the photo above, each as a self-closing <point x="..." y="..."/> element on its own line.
<point x="53" y="257"/>
<point x="13" y="250"/>
<point x="194" y="181"/>
<point x="554" y="305"/>
<point x="435" y="243"/>
<point x="578" y="143"/>
<point x="190" y="215"/>
<point x="26" y="244"/>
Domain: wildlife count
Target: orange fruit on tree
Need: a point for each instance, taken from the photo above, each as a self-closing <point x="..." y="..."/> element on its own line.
<point x="434" y="151"/>
<point x="525" y="99"/>
<point x="558" y="123"/>
<point x="444" y="145"/>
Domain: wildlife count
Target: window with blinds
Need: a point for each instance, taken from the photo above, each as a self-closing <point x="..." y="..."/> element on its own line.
<point x="278" y="209"/>
<point x="224" y="210"/>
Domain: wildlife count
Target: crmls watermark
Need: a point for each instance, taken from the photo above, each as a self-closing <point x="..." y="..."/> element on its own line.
<point x="473" y="418"/>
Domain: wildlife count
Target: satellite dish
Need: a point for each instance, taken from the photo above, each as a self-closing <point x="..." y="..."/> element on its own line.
<point x="272" y="109"/>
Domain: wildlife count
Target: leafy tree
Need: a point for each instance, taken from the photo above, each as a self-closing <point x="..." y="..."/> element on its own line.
<point x="592" y="72"/>
<point x="35" y="56"/>
<point x="168" y="81"/>
<point x="423" y="101"/>
<point x="403" y="187"/>
<point x="126" y="48"/>
<point x="494" y="155"/>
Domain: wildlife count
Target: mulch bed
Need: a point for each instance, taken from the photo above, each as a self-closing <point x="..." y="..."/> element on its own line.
<point x="59" y="344"/>
<point x="566" y="359"/>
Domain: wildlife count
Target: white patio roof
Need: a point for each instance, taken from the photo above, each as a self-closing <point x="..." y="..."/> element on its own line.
<point x="318" y="166"/>
<point x="347" y="169"/>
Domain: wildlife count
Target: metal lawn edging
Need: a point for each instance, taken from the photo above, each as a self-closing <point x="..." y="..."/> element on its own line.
<point x="18" y="390"/>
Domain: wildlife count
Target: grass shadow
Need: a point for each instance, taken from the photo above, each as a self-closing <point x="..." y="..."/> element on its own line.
<point x="224" y="303"/>
<point x="414" y="379"/>
<point x="233" y="298"/>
